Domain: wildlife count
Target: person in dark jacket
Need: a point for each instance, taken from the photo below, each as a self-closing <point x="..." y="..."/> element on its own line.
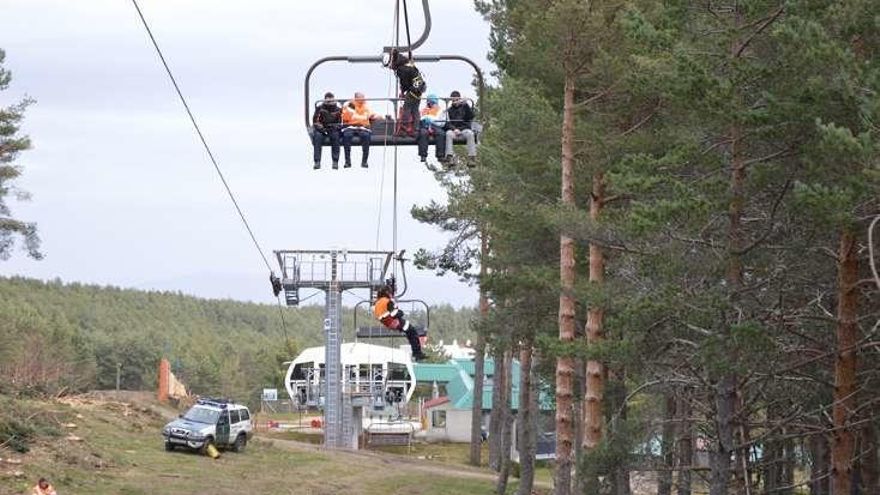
<point x="327" y="122"/>
<point x="412" y="86"/>
<point x="459" y="117"/>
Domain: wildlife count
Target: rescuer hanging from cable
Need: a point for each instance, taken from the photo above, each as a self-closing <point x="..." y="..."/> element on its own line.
<point x="412" y="86"/>
<point x="386" y="311"/>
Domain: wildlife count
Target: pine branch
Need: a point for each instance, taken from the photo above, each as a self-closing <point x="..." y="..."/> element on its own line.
<point x="767" y="22"/>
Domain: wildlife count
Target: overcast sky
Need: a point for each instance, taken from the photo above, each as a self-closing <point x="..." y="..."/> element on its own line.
<point x="124" y="194"/>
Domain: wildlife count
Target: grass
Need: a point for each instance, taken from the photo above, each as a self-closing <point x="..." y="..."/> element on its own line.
<point x="450" y="454"/>
<point x="121" y="452"/>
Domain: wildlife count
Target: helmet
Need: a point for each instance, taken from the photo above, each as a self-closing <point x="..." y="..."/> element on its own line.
<point x="432" y="98"/>
<point x="395" y="59"/>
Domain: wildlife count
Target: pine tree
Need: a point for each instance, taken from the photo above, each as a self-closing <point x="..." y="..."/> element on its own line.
<point x="11" y="144"/>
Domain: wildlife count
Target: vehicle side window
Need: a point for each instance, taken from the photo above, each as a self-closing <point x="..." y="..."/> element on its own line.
<point x="233" y="416"/>
<point x="245" y="415"/>
<point x="224" y="418"/>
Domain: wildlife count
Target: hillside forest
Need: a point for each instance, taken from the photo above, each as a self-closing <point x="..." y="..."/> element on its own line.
<point x="58" y="338"/>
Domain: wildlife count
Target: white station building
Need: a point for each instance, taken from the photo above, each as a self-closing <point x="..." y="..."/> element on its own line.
<point x="385" y="373"/>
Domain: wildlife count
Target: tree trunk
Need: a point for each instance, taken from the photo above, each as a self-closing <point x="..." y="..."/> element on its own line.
<point x="771" y="457"/>
<point x="595" y="332"/>
<point x="845" y="403"/>
<point x="724" y="389"/>
<point x="719" y="458"/>
<point x="789" y="464"/>
<point x="667" y="442"/>
<point x="778" y="458"/>
<point x="771" y="466"/>
<point x="870" y="481"/>
<point x="527" y="420"/>
<point x="507" y="425"/>
<point x="497" y="417"/>
<point x="685" y="443"/>
<point x="479" y="363"/>
<point x="564" y="364"/>
<point x="477" y="408"/>
<point x="744" y="479"/>
<point x="621" y="482"/>
<point x="725" y="385"/>
<point x="580" y="390"/>
<point x="820" y="480"/>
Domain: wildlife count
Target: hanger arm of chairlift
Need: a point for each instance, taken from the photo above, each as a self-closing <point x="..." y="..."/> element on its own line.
<point x="421" y="39"/>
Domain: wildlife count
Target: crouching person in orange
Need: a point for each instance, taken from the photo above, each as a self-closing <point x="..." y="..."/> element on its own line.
<point x="43" y="487"/>
<point x="387" y="312"/>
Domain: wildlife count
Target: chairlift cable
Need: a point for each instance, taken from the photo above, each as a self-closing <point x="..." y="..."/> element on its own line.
<point x="397" y="92"/>
<point x="394" y="35"/>
<point x="200" y="135"/>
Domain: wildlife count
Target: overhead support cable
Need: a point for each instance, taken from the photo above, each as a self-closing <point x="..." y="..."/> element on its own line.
<point x="200" y="135"/>
<point x="204" y="142"/>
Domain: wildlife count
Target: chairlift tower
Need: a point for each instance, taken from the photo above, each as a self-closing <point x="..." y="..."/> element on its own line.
<point x="334" y="271"/>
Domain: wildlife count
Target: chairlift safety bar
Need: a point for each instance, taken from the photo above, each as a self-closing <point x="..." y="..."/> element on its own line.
<point x="378" y="59"/>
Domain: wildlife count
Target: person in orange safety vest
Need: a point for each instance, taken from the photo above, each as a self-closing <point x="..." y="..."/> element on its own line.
<point x="391" y="316"/>
<point x="356" y="120"/>
<point x="43" y="487"/>
<point x="432" y="125"/>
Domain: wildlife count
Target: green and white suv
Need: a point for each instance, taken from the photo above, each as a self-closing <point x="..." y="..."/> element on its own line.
<point x="217" y="422"/>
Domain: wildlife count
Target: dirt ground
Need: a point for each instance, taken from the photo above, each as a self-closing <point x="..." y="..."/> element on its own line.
<point x="110" y="444"/>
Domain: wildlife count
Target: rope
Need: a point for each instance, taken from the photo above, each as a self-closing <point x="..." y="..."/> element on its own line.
<point x="406" y="23"/>
<point x="394" y="228"/>
<point x="283" y="323"/>
<point x="395" y="36"/>
<point x="201" y="136"/>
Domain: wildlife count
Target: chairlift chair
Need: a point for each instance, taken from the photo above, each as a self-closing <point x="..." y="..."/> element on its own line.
<point x="383" y="130"/>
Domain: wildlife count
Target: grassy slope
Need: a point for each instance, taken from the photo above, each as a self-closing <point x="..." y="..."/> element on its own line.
<point x="121" y="453"/>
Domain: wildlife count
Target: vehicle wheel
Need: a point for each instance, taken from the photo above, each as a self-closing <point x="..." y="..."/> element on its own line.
<point x="169" y="446"/>
<point x="208" y="442"/>
<point x="240" y="443"/>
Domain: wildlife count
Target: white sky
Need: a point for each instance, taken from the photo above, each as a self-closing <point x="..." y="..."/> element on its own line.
<point x="123" y="192"/>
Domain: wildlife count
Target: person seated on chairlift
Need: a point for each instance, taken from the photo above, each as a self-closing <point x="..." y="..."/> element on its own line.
<point x="357" y="118"/>
<point x="387" y="312"/>
<point x="459" y="117"/>
<point x="327" y="122"/>
<point x="432" y="125"/>
<point x="412" y="86"/>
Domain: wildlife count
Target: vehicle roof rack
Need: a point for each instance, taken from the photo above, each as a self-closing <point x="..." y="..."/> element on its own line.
<point x="216" y="402"/>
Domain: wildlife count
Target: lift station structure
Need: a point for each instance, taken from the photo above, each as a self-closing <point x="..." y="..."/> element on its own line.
<point x="334" y="271"/>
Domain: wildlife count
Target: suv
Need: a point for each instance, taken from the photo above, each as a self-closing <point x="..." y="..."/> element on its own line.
<point x="210" y="421"/>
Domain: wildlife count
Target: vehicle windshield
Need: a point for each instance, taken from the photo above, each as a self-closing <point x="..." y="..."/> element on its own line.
<point x="202" y="415"/>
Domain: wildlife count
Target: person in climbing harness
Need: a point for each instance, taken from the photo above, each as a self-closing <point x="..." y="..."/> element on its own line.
<point x="357" y="118"/>
<point x="386" y="311"/>
<point x="431" y="125"/>
<point x="412" y="86"/>
<point x="327" y="122"/>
